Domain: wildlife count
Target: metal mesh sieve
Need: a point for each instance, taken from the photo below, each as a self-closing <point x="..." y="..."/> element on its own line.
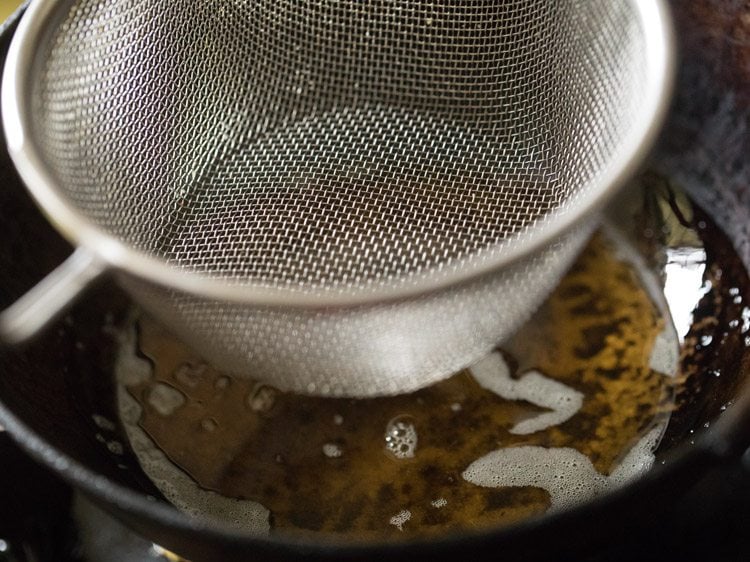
<point x="354" y="151"/>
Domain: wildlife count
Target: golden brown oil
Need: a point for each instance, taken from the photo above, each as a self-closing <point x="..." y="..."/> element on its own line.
<point x="398" y="465"/>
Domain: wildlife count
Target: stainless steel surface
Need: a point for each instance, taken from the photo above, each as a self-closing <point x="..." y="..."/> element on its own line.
<point x="338" y="198"/>
<point x="29" y="314"/>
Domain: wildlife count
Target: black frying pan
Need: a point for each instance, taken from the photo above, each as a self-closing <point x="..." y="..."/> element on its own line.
<point x="50" y="389"/>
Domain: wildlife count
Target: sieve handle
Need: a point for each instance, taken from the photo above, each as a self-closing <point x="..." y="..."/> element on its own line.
<point x="53" y="294"/>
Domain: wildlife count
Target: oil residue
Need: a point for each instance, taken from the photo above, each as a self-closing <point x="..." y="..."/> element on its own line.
<point x="570" y="408"/>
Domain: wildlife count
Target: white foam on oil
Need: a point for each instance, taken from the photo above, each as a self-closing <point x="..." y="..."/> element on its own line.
<point x="639" y="459"/>
<point x="332" y="451"/>
<point x="189" y="374"/>
<point x="131" y="368"/>
<point x="401" y="438"/>
<point x="103" y="422"/>
<point x="261" y="398"/>
<point x="165" y="399"/>
<point x="493" y="374"/>
<point x="400" y="519"/>
<point x="177" y="487"/>
<point x="438" y="503"/>
<point x="566" y="474"/>
<point x="115" y="447"/>
<point x="665" y="355"/>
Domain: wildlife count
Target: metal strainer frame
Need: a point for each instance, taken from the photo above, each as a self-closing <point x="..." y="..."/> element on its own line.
<point x="152" y="280"/>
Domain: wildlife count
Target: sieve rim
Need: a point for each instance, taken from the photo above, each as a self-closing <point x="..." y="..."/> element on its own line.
<point x="41" y="17"/>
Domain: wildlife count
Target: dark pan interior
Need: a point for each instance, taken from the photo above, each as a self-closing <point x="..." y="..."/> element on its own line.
<point x="57" y="383"/>
<point x="53" y="386"/>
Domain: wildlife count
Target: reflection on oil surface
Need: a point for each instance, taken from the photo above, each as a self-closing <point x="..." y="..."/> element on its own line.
<point x="571" y="407"/>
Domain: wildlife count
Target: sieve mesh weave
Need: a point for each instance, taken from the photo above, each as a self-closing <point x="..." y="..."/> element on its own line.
<point x="333" y="144"/>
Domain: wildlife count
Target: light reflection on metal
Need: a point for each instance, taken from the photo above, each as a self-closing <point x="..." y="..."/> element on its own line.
<point x="161" y="552"/>
<point x="684" y="285"/>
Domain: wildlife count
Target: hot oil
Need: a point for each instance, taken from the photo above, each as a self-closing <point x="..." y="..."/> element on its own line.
<point x="568" y="409"/>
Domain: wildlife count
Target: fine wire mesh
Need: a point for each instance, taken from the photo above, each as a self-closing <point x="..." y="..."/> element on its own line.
<point x="337" y="146"/>
<point x="333" y="144"/>
<point x="364" y="351"/>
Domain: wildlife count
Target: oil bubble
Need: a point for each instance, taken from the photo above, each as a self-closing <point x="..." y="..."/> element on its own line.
<point x="222" y="383"/>
<point x="189" y="374"/>
<point x="332" y="450"/>
<point x="401" y="437"/>
<point x="115" y="447"/>
<point x="165" y="399"/>
<point x="103" y="423"/>
<point x="400" y="518"/>
<point x="261" y="399"/>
